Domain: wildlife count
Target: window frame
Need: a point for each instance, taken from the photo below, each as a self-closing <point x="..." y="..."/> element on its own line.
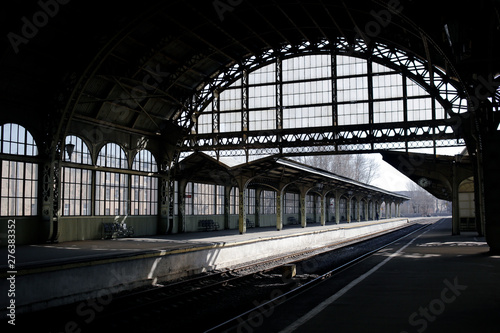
<point x="19" y="171"/>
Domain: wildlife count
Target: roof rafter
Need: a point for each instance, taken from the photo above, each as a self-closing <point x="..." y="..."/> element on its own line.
<point x="304" y="36"/>
<point x="277" y="31"/>
<point x="227" y="34"/>
<point x="203" y="40"/>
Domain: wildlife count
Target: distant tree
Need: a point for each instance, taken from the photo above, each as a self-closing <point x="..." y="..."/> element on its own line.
<point x="359" y="167"/>
<point x="422" y="202"/>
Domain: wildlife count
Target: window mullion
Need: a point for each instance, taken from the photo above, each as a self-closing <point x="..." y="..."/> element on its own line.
<point x="128" y="206"/>
<point x="279" y="93"/>
<point x="334" y="90"/>
<point x="405" y="106"/>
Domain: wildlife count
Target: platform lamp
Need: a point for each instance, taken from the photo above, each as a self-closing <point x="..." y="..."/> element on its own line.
<point x="70" y="148"/>
<point x="319" y="186"/>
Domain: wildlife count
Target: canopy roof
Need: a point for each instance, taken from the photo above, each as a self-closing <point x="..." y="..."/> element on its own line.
<point x="276" y="173"/>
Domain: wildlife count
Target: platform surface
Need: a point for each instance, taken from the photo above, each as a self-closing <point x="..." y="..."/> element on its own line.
<point x="40" y="255"/>
<point x="433" y="283"/>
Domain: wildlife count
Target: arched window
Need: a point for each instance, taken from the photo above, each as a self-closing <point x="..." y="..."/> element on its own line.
<point x="144" y="196"/>
<point x="144" y="161"/>
<point x="19" y="193"/>
<point x="292" y="203"/>
<point x="76" y="182"/>
<point x="343" y="209"/>
<point x="219" y="199"/>
<point x="16" y="140"/>
<point x="234" y="207"/>
<point x="76" y="151"/>
<point x="111" y="197"/>
<point x="203" y="199"/>
<point x="250" y="200"/>
<point x="267" y="202"/>
<point x="112" y="156"/>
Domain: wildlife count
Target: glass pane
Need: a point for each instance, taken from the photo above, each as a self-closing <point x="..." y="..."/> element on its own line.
<point x="387" y="86"/>
<point x="307" y="67"/>
<point x="352" y="89"/>
<point x="112" y="156"/>
<point x="263" y="75"/>
<point x="419" y="109"/>
<point x="351" y="66"/>
<point x="262" y="96"/>
<point x="15" y="139"/>
<point x="144" y="161"/>
<point x="231" y="99"/>
<point x="351" y="114"/>
<point x="388" y="111"/>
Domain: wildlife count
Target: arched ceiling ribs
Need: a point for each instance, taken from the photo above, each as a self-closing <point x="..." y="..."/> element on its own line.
<point x="224" y="32"/>
<point x="129" y="84"/>
<point x="265" y="42"/>
<point x="82" y="80"/>
<point x="430" y="132"/>
<point x="139" y="105"/>
<point x="218" y="82"/>
<point x="202" y="53"/>
<point x="200" y="38"/>
<point x="268" y="23"/>
<point x="313" y="20"/>
<point x="334" y="22"/>
<point x="292" y="22"/>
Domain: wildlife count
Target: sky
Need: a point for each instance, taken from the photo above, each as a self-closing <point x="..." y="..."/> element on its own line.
<point x="389" y="178"/>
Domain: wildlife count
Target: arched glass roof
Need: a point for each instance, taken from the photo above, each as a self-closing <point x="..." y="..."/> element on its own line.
<point x="361" y="94"/>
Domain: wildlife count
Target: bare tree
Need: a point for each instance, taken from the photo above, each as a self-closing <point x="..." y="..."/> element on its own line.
<point x="362" y="168"/>
<point x="365" y="168"/>
<point x="422" y="202"/>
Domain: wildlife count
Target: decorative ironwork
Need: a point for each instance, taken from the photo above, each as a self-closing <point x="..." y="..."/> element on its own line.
<point x="383" y="120"/>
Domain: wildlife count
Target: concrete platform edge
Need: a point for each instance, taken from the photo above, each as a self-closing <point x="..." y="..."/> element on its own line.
<point x="54" y="285"/>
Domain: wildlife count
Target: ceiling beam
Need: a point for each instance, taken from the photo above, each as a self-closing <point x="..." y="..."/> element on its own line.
<point x="93" y="121"/>
<point x="304" y="36"/>
<point x="203" y="40"/>
<point x="334" y="21"/>
<point x="223" y="31"/>
<point x="277" y="31"/>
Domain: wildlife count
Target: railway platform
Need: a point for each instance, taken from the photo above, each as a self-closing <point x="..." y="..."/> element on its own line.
<point x="49" y="275"/>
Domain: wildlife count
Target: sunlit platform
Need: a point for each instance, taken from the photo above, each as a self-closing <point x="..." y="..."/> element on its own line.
<point x="46" y="255"/>
<point x="54" y="274"/>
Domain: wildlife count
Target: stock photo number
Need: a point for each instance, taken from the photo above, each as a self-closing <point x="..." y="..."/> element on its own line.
<point x="11" y="264"/>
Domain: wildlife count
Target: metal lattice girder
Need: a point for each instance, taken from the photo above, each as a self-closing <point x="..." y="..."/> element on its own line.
<point x="393" y="121"/>
<point x="366" y="137"/>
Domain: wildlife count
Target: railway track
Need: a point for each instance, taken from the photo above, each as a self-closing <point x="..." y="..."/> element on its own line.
<point x="213" y="302"/>
<point x="247" y="319"/>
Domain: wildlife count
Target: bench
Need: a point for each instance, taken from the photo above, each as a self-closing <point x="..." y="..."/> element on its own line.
<point x="115" y="230"/>
<point x="292" y="220"/>
<point x="208" y="225"/>
<point x="250" y="224"/>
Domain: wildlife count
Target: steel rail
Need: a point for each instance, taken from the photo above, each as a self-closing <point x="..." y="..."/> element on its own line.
<point x="254" y="267"/>
<point x="304" y="287"/>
